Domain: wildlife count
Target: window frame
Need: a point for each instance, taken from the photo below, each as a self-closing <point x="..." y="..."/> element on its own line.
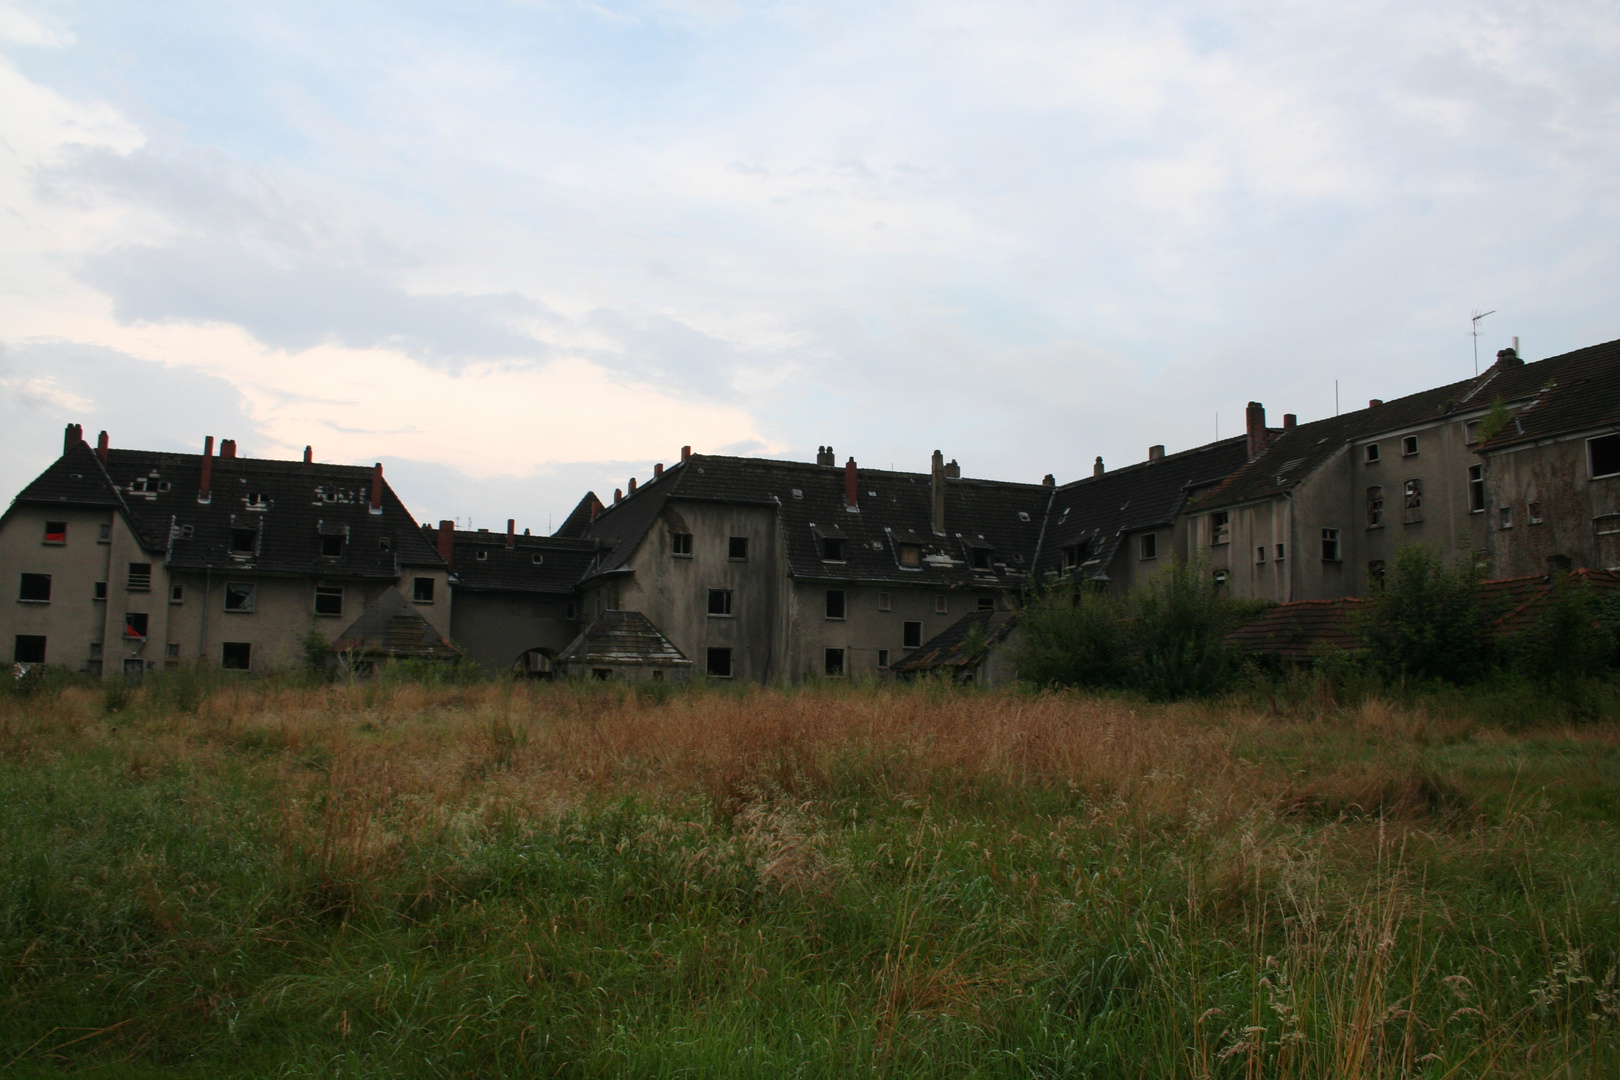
<point x="418" y="590"/>
<point x="1260" y="555"/>
<point x="1220" y="528"/>
<point x="726" y="602"/>
<point x="177" y="593"/>
<point x="55" y="537"/>
<point x="722" y="653"/>
<point x="1534" y="514"/>
<point x="680" y="544"/>
<point x="841" y="604"/>
<point x="885" y="601"/>
<point x="1409" y="446"/>
<point x="832" y="549"/>
<point x="1375" y="506"/>
<point x="24" y="580"/>
<point x="982" y="559"/>
<point x="734" y="545"/>
<point x="238" y="532"/>
<point x="910" y="556"/>
<point x="17" y="650"/>
<point x="883" y="659"/>
<point x="1335" y="538"/>
<point x="246" y="595"/>
<point x="328" y="592"/>
<point x="831" y="657"/>
<point x="909" y="629"/>
<point x="1147" y="547"/>
<point x="1281" y="554"/>
<point x="1591" y="456"/>
<point x="1412" y="501"/>
<point x="226" y="651"/>
<point x="134" y="619"/>
<point x="1371" y="454"/>
<point x="1476" y="489"/>
<point x="1504" y="517"/>
<point x="137" y="580"/>
<point x="942" y="604"/>
<point x="328" y="540"/>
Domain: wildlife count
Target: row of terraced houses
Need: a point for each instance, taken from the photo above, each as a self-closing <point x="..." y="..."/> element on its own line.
<point x="127" y="561"/>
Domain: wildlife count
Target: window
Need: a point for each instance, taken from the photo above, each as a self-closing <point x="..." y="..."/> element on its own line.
<point x="187" y="532"/>
<point x="680" y="544"/>
<point x="256" y="501"/>
<point x="1372" y="453"/>
<point x="331" y="545"/>
<point x="1220" y="579"/>
<point x="482" y="556"/>
<point x="1260" y="554"/>
<point x="941" y="604"/>
<point x="1375" y="574"/>
<point x="835" y="603"/>
<point x="910" y="555"/>
<point x="719" y="663"/>
<point x="239" y="595"/>
<point x="141" y="484"/>
<point x="568" y="612"/>
<point x="246" y="541"/>
<point x="1409" y="446"/>
<point x="1071" y="556"/>
<point x="1604" y="455"/>
<point x="1505" y="513"/>
<point x="95" y="650"/>
<point x="177" y="594"/>
<point x="140" y="576"/>
<point x="385" y="543"/>
<point x="422" y="590"/>
<point x="719" y="601"/>
<point x="911" y="635"/>
<point x="1220" y="528"/>
<point x="536" y="560"/>
<point x="104" y="532"/>
<point x="135" y="625"/>
<point x="835" y="661"/>
<point x="885" y="601"/>
<point x="1414" y="500"/>
<point x="1471" y="432"/>
<point x="29" y="649"/>
<point x="1330" y="545"/>
<point x="56" y="532"/>
<point x="883" y="658"/>
<point x="1149" y="546"/>
<point x="601" y="674"/>
<point x="329" y="599"/>
<point x="236" y="655"/>
<point x="1282" y="552"/>
<point x="172" y="650"/>
<point x="1534" y="513"/>
<point x="832" y="549"/>
<point x="1375" y="507"/>
<point x="1607" y="529"/>
<point x="737" y="548"/>
<point x="987" y="603"/>
<point x="99" y="591"/>
<point x="981" y="558"/>
<point x="1476" y="489"/>
<point x="35" y="589"/>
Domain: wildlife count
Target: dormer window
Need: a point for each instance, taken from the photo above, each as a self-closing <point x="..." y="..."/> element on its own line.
<point x="482" y="556"/>
<point x="910" y="555"/>
<point x="832" y="550"/>
<point x="981" y="558"/>
<point x="246" y="541"/>
<point x="332" y="546"/>
<point x="140" y="484"/>
<point x="536" y="560"/>
<point x="257" y="501"/>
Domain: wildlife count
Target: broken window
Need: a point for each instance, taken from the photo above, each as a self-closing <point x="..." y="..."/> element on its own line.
<point x="240" y="595"/>
<point x="177" y="594"/>
<point x="885" y="601"/>
<point x="1281" y="552"/>
<point x="737" y="548"/>
<point x="680" y="543"/>
<point x="1220" y="579"/>
<point x="1149" y="546"/>
<point x="1535" y="514"/>
<point x="1375" y="507"/>
<point x="911" y="635"/>
<point x="1330" y="545"/>
<point x="1409" y="446"/>
<point x="1220" y="528"/>
<point x="246" y="542"/>
<point x="140" y="484"/>
<point x="832" y="549"/>
<point x="28" y="649"/>
<point x="1471" y="432"/>
<point x="1414" y="500"/>
<point x="941" y="604"/>
<point x="135" y="625"/>
<point x="835" y="603"/>
<point x="1260" y="554"/>
<point x="1071" y="556"/>
<point x="329" y="599"/>
<point x="1375" y="574"/>
<point x="1607" y="530"/>
<point x="987" y="603"/>
<point x="1476" y="489"/>
<point x="422" y="590"/>
<point x="331" y="545"/>
<point x="1506" y="515"/>
<point x="140" y="576"/>
<point x="883" y="658"/>
<point x="835" y="661"/>
<point x="1604" y="455"/>
<point x="236" y="655"/>
<point x="910" y="555"/>
<point x="602" y="674"/>
<point x="981" y="558"/>
<point x="719" y="601"/>
<point x="1372" y="452"/>
<point x="56" y="532"/>
<point x="719" y="663"/>
<point x="35" y="588"/>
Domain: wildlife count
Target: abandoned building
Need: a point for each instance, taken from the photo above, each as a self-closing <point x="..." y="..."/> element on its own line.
<point x="764" y="570"/>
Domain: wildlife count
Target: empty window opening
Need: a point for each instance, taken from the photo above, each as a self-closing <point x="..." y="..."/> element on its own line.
<point x="1534" y="514"/>
<point x="601" y="674"/>
<point x="1282" y="552"/>
<point x="1476" y="489"/>
<point x="385" y="543"/>
<point x="835" y="603"/>
<point x="536" y="560"/>
<point x="719" y="663"/>
<point x="172" y="650"/>
<point x="835" y="661"/>
<point x="1603" y="453"/>
<point x="1409" y="446"/>
<point x="236" y="655"/>
<point x="99" y="591"/>
<point x="187" y="532"/>
<point x="104" y="532"/>
<point x="1471" y="432"/>
<point x="328" y="599"/>
<point x="885" y="601"/>
<point x="482" y="556"/>
<point x="246" y="541"/>
<point x="95" y="650"/>
<point x="140" y="484"/>
<point x="1414" y="500"/>
<point x="1505" y="514"/>
<point x="56" y="532"/>
<point x="737" y="548"/>
<point x="719" y="601"/>
<point x="1220" y="528"/>
<point x="422" y="590"/>
<point x="911" y="635"/>
<point x="569" y="612"/>
<point x="1372" y="452"/>
<point x="680" y="543"/>
<point x="883" y="658"/>
<point x="941" y="604"/>
<point x="1375" y="507"/>
<point x="987" y="603"/>
<point x="135" y="625"/>
<point x="240" y="595"/>
<point x="981" y="558"/>
<point x="1375" y="573"/>
<point x="28" y="649"/>
<point x="1260" y="554"/>
<point x="177" y="594"/>
<point x="910" y="555"/>
<point x="1149" y="546"/>
<point x="1071" y="556"/>
<point x="332" y="546"/>
<point x="140" y="576"/>
<point x="35" y="588"/>
<point x="832" y="549"/>
<point x="1330" y="545"/>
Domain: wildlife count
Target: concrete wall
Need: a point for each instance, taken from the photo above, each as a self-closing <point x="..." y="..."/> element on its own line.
<point x="1128" y="569"/>
<point x="1555" y="475"/>
<point x="73" y="620"/>
<point x="497" y="628"/>
<point x="866" y="628"/>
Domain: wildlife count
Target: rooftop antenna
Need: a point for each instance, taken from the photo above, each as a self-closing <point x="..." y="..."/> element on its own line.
<point x="1335" y="397"/>
<point x="1478" y="315"/>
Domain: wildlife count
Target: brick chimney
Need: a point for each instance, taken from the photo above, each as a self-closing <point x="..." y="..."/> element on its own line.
<point x="447" y="541"/>
<point x="1375" y="402"/>
<point x="1097" y="466"/>
<point x="686" y="452"/>
<point x="511" y="532"/>
<point x="1156" y="453"/>
<point x="1289" y="420"/>
<point x="227" y="449"/>
<point x="953" y="471"/>
<point x="824" y="456"/>
<point x="101" y="447"/>
<point x="1256" y="423"/>
<point x="73" y="436"/>
<point x="1049" y="480"/>
<point x="205" y="487"/>
<point x="618" y="496"/>
<point x="937" y="486"/>
<point x="1508" y="358"/>
<point x="632" y="489"/>
<point x="376" y="486"/>
<point x="658" y="470"/>
<point x="309" y="455"/>
<point x="851" y="486"/>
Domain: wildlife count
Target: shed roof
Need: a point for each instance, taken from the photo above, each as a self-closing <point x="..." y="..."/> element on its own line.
<point x="623" y="637"/>
<point x="948" y="648"/>
<point x="394" y="627"/>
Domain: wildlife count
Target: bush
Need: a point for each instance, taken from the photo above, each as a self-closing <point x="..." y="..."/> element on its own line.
<point x="1426" y="623"/>
<point x="1575" y="635"/>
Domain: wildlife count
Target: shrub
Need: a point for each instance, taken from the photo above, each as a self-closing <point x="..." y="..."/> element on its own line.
<point x="1426" y="623"/>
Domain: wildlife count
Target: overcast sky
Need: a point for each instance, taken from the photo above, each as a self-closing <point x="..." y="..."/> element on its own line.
<point x="518" y="250"/>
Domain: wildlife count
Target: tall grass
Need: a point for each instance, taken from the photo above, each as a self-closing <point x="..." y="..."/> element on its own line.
<point x="405" y="880"/>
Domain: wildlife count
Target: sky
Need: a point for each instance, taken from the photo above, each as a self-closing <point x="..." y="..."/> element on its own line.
<point x="520" y="250"/>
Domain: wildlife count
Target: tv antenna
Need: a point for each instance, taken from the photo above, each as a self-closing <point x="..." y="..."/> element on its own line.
<point x="1478" y="315"/>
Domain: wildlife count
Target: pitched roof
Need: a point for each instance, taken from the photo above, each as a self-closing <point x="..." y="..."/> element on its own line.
<point x="623" y="637"/>
<point x="1098" y="512"/>
<point x="579" y="519"/>
<point x="1580" y="393"/>
<point x="949" y="647"/>
<point x="481" y="562"/>
<point x="895" y="508"/>
<point x="391" y="626"/>
<point x="1301" y="450"/>
<point x="290" y="505"/>
<point x="1301" y="630"/>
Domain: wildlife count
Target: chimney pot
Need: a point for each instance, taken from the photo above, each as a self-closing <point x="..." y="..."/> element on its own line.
<point x="618" y="496"/>
<point x="632" y="485"/>
<point x="1049" y="480"/>
<point x="73" y="436"/>
<point x="658" y="470"/>
<point x="1507" y="358"/>
<point x="447" y="541"/>
<point x="1255" y="416"/>
<point x="205" y="486"/>
<point x="824" y="456"/>
<point x="511" y="532"/>
<point x="376" y="486"/>
<point x="1156" y="452"/>
<point x="953" y="471"/>
<point x="851" y="486"/>
<point x="937" y="489"/>
<point x="1375" y="402"/>
<point x="101" y="447"/>
<point x="227" y="449"/>
<point x="686" y="452"/>
<point x="1097" y="466"/>
<point x="309" y="455"/>
<point x="1289" y="420"/>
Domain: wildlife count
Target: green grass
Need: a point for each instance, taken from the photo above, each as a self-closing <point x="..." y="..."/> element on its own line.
<point x="488" y="882"/>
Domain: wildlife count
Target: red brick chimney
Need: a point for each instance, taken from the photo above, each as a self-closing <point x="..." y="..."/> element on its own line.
<point x="632" y="488"/>
<point x="658" y="470"/>
<point x="447" y="541"/>
<point x="101" y="447"/>
<point x="1049" y="480"/>
<point x="1097" y="466"/>
<point x="618" y="496"/>
<point x="1289" y="420"/>
<point x="1375" y="402"/>
<point x="511" y="532"/>
<point x="73" y="436"/>
<point x="205" y="487"/>
<point x="309" y="455"/>
<point x="1256" y="422"/>
<point x="686" y="452"/>
<point x="376" y="486"/>
<point x="851" y="486"/>
<point x="227" y="449"/>
<point x="937" y="486"/>
<point x="1156" y="453"/>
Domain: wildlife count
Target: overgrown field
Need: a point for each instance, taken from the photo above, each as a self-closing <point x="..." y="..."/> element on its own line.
<point x="376" y="880"/>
